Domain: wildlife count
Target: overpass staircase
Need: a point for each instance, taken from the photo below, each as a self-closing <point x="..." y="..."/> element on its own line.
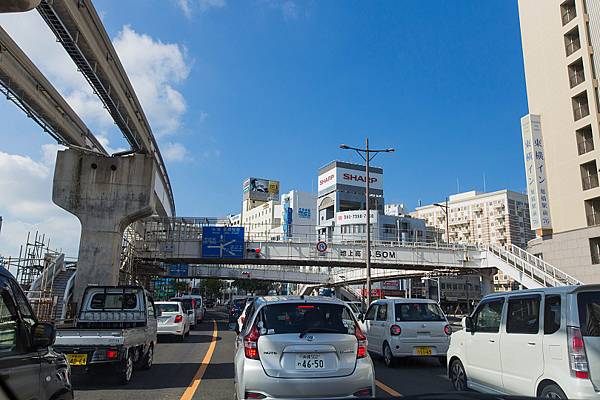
<point x="529" y="270"/>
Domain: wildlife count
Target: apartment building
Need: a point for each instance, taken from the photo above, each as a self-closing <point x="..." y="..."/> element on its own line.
<point x="561" y="132"/>
<point x="500" y="217"/>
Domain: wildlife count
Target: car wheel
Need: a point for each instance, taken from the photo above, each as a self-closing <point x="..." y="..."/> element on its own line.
<point x="126" y="371"/>
<point x="148" y="358"/>
<point x="458" y="377"/>
<point x="553" y="392"/>
<point x="388" y="357"/>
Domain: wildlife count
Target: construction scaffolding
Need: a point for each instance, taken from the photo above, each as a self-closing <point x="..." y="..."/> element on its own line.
<point x="36" y="267"/>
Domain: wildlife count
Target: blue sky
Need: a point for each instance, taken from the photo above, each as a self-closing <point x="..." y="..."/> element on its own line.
<point x="270" y="89"/>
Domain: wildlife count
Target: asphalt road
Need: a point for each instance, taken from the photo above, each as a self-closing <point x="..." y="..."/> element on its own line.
<point x="178" y="371"/>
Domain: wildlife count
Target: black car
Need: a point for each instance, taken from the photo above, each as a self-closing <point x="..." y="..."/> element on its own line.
<point x="29" y="367"/>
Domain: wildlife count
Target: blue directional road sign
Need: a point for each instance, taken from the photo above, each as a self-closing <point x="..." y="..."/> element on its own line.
<point x="180" y="270"/>
<point x="222" y="242"/>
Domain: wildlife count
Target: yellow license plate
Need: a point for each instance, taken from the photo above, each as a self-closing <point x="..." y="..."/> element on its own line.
<point x="423" y="351"/>
<point x="77" y="359"/>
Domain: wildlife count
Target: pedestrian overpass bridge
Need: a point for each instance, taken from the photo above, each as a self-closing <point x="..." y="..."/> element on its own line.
<point x="179" y="244"/>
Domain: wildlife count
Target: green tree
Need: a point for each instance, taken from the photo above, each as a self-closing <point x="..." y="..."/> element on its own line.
<point x="212" y="287"/>
<point x="254" y="286"/>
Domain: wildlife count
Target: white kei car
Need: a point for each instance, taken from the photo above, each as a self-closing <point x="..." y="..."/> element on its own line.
<point x="172" y="319"/>
<point x="536" y="343"/>
<point x="399" y="328"/>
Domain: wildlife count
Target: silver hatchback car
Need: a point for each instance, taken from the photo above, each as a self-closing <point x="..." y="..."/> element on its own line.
<point x="314" y="343"/>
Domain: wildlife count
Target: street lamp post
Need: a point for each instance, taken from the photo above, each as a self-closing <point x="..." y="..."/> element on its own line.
<point x="445" y="208"/>
<point x="367" y="157"/>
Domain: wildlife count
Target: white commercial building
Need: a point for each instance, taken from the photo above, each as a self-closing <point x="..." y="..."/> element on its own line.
<point x="561" y="133"/>
<point x="500" y="217"/>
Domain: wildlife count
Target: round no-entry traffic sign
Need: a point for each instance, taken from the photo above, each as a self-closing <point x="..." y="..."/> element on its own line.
<point x="321" y="247"/>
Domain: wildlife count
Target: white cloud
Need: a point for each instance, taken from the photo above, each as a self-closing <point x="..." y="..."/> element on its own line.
<point x="203" y="5"/>
<point x="153" y="68"/>
<point x="289" y="9"/>
<point x="173" y="152"/>
<point x="26" y="206"/>
<point x="185" y="7"/>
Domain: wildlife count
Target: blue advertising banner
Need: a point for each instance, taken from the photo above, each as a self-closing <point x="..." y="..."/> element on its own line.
<point x="222" y="242"/>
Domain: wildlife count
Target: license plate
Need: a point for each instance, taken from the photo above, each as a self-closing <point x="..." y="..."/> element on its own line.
<point x="77" y="359"/>
<point x="310" y="361"/>
<point x="423" y="351"/>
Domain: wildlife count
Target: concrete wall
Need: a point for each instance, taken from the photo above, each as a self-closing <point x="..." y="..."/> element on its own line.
<point x="570" y="252"/>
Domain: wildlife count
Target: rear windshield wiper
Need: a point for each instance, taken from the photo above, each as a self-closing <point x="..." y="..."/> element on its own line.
<point x="317" y="330"/>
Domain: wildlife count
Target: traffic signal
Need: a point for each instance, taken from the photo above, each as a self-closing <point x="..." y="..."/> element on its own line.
<point x="255" y="251"/>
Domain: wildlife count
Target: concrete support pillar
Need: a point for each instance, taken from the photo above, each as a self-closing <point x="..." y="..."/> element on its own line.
<point x="106" y="194"/>
<point x="487" y="280"/>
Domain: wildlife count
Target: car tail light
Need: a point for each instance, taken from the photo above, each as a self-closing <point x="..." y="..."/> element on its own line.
<point x="361" y="351"/>
<point x="447" y="330"/>
<point x="111" y="354"/>
<point x="178" y="318"/>
<point x="193" y="303"/>
<point x="395" y="330"/>
<point x="254" y="395"/>
<point x="577" y="357"/>
<point x="251" y="345"/>
<point x="366" y="392"/>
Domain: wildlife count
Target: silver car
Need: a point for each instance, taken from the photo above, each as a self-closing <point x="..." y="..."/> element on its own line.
<point x="302" y="347"/>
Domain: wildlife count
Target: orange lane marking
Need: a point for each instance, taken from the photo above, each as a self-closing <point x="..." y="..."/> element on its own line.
<point x="191" y="389"/>
<point x="387" y="389"/>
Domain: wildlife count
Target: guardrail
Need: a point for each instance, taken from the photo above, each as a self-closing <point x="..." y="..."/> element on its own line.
<point x="532" y="266"/>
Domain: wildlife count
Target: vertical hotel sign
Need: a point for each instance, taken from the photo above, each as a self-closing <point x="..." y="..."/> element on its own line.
<point x="535" y="170"/>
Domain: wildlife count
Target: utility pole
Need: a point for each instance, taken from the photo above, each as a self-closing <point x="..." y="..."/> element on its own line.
<point x="367" y="157"/>
<point x="444" y="207"/>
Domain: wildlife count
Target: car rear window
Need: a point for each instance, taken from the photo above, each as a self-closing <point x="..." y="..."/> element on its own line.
<point x="418" y="312"/>
<point x="239" y="303"/>
<point x="168" y="307"/>
<point x="588" y="304"/>
<point x="187" y="303"/>
<point x="113" y="301"/>
<point x="311" y="317"/>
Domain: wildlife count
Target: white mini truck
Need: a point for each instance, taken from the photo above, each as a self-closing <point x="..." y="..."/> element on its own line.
<point x="116" y="328"/>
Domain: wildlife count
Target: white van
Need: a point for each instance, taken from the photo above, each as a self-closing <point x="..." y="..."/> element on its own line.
<point x="538" y="343"/>
<point x="407" y="328"/>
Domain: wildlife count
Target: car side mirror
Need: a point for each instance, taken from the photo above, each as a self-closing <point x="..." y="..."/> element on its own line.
<point x="467" y="324"/>
<point x="44" y="335"/>
<point x="190" y="312"/>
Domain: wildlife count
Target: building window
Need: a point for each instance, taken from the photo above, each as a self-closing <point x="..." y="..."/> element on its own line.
<point x="595" y="250"/>
<point x="567" y="11"/>
<point x="572" y="42"/>
<point x="585" y="141"/>
<point x="592" y="211"/>
<point x="580" y="106"/>
<point x="576" y="75"/>
<point x="589" y="175"/>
